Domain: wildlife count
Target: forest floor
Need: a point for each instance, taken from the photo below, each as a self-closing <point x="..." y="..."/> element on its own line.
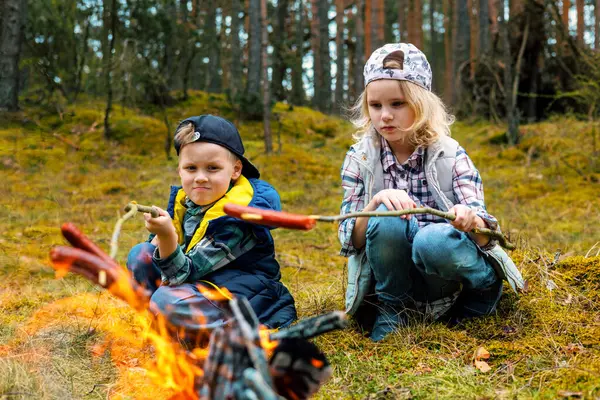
<point x="65" y="338"/>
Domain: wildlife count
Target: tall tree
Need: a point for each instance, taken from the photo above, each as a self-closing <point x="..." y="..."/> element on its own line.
<point x="212" y="41"/>
<point x="235" y="81"/>
<point x="264" y="22"/>
<point x="402" y="31"/>
<point x="110" y="13"/>
<point x="462" y="44"/>
<point x="368" y="20"/>
<point x="377" y="24"/>
<point x="597" y="25"/>
<point x="391" y="17"/>
<point x="254" y="64"/>
<point x="279" y="49"/>
<point x="415" y="23"/>
<point x="359" y="49"/>
<point x="325" y="90"/>
<point x="432" y="39"/>
<point x="474" y="25"/>
<point x="339" y="62"/>
<point x="484" y="27"/>
<point x="580" y="22"/>
<point x="297" y="95"/>
<point x="448" y="10"/>
<point x="493" y="21"/>
<point x="565" y="14"/>
<point x="12" y="16"/>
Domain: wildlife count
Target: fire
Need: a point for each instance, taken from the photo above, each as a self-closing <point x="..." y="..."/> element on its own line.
<point x="188" y="362"/>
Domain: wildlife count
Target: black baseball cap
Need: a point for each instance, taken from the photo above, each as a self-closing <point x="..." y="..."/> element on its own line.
<point x="217" y="130"/>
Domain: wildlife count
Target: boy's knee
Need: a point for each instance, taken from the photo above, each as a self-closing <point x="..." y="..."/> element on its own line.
<point x="185" y="306"/>
<point x="140" y="256"/>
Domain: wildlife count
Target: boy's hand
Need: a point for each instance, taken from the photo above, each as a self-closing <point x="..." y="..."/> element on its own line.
<point x="393" y="199"/>
<point x="466" y="219"/>
<point x="161" y="225"/>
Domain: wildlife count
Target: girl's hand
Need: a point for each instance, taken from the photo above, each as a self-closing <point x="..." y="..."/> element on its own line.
<point x="466" y="219"/>
<point x="161" y="225"/>
<point x="394" y="199"/>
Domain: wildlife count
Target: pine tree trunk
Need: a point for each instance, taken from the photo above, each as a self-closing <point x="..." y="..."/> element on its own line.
<point x="432" y="45"/>
<point x="448" y="46"/>
<point x="266" y="83"/>
<point x="462" y="45"/>
<point x="597" y="26"/>
<point x="484" y="28"/>
<point x="493" y="22"/>
<point x="339" y="62"/>
<point x="516" y="7"/>
<point x="317" y="101"/>
<point x="402" y="32"/>
<point x="512" y="133"/>
<point x="390" y="18"/>
<point x="279" y="34"/>
<point x="110" y="25"/>
<point x="213" y="77"/>
<point x="12" y="17"/>
<point x="377" y="24"/>
<point x="367" y="32"/>
<point x="414" y="22"/>
<point x="359" y="50"/>
<point x="235" y="80"/>
<point x="418" y="16"/>
<point x="297" y="96"/>
<point x="474" y="24"/>
<point x="565" y="14"/>
<point x="580" y="22"/>
<point x="254" y="62"/>
<point x="325" y="58"/>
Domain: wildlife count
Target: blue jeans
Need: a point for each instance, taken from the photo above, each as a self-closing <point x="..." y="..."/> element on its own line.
<point x="190" y="315"/>
<point x="429" y="263"/>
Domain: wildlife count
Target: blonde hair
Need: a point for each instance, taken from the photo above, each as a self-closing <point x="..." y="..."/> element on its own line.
<point x="185" y="135"/>
<point x="432" y="119"/>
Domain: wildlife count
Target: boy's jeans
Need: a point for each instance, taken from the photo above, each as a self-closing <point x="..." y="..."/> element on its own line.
<point x="190" y="315"/>
<point x="429" y="263"/>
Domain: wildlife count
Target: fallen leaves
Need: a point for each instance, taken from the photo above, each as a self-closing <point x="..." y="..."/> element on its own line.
<point x="481" y="354"/>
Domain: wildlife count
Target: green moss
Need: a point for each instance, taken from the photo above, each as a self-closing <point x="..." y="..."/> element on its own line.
<point x="541" y="342"/>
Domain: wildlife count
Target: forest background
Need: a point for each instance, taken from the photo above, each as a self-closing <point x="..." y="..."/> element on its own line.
<point x="90" y="92"/>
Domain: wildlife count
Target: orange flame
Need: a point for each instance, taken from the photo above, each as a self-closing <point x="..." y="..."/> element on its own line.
<point x="174" y="368"/>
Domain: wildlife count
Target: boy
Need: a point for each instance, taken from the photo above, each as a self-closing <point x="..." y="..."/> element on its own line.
<point x="196" y="243"/>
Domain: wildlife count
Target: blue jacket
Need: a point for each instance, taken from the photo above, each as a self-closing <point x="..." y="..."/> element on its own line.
<point x="256" y="273"/>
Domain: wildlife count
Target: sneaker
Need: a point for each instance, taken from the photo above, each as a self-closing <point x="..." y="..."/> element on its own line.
<point x="474" y="303"/>
<point x="388" y="320"/>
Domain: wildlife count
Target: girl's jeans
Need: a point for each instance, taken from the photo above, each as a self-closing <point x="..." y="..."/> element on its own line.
<point x="429" y="263"/>
<point x="190" y="315"/>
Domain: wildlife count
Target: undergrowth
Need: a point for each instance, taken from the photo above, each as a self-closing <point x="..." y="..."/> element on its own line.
<point x="66" y="339"/>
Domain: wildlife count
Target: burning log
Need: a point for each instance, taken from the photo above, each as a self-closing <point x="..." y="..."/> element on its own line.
<point x="237" y="363"/>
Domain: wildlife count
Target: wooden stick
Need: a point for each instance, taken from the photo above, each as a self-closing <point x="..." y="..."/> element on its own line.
<point x="307" y="222"/>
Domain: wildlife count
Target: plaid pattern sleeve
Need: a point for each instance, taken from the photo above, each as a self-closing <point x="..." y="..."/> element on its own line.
<point x="354" y="192"/>
<point x="210" y="254"/>
<point x="468" y="187"/>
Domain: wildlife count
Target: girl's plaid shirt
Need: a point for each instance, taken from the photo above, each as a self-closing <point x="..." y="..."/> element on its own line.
<point x="410" y="176"/>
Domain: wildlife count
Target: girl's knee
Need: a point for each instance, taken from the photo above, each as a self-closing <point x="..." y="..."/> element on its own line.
<point x="388" y="229"/>
<point x="437" y="238"/>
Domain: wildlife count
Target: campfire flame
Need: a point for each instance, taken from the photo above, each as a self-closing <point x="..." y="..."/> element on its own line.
<point x="236" y="357"/>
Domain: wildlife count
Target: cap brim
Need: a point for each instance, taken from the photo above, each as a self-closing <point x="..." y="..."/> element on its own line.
<point x="248" y="169"/>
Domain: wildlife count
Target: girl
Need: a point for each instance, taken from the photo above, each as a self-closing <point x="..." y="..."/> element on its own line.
<point x="404" y="158"/>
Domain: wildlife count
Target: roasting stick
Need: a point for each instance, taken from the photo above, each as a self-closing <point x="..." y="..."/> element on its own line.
<point x="284" y="219"/>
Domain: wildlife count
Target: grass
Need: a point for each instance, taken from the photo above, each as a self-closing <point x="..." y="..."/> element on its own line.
<point x="66" y="339"/>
